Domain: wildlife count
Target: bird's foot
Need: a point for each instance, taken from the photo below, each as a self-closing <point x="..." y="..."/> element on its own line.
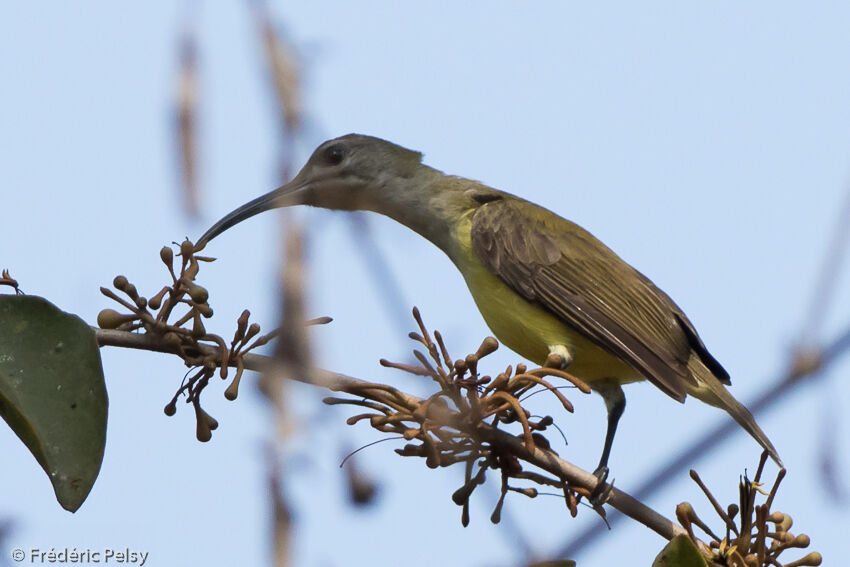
<point x="602" y="492"/>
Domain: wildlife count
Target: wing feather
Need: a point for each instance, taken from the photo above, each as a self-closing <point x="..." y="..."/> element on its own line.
<point x="563" y="268"/>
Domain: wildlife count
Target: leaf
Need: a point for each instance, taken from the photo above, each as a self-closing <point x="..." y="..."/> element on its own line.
<point x="680" y="552"/>
<point x="52" y="392"/>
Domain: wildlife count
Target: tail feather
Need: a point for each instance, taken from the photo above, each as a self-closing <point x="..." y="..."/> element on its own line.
<point x="712" y="392"/>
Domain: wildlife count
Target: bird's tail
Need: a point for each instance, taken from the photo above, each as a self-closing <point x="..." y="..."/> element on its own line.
<point x="712" y="392"/>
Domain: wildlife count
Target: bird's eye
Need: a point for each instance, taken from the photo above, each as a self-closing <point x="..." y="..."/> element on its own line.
<point x="334" y="155"/>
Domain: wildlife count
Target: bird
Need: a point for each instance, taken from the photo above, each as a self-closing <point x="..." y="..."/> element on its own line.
<point x="544" y="285"/>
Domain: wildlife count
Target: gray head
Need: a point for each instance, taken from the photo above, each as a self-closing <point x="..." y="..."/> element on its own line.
<point x="347" y="173"/>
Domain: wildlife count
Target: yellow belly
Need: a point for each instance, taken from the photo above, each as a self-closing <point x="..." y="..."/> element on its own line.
<point x="529" y="330"/>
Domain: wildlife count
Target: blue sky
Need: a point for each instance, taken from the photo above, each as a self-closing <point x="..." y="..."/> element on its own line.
<point x="707" y="143"/>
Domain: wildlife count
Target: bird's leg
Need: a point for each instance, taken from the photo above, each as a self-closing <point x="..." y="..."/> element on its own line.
<point x="615" y="402"/>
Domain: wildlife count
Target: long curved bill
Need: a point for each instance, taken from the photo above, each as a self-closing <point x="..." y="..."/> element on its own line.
<point x="284" y="196"/>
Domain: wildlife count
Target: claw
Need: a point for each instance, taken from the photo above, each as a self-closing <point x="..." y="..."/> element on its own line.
<point x="602" y="492"/>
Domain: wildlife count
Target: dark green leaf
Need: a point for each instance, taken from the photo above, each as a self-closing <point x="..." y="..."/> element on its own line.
<point x="52" y="392"/>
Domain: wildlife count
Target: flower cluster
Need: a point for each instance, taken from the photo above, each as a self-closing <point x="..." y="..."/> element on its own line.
<point x="455" y="424"/>
<point x="181" y="333"/>
<point x="760" y="535"/>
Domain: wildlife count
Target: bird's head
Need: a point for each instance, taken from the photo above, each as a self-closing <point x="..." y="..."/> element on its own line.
<point x="349" y="173"/>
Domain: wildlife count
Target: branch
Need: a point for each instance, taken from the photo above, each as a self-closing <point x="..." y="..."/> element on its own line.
<point x="539" y="457"/>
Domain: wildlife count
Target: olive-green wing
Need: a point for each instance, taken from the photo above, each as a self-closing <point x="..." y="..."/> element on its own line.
<point x="563" y="268"/>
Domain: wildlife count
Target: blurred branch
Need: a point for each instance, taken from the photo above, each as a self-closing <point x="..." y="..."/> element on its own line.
<point x="186" y="116"/>
<point x="285" y="74"/>
<point x="282" y="61"/>
<point x="542" y="458"/>
<point x="830" y="470"/>
<point x="293" y="351"/>
<point x="823" y="296"/>
<point x="281" y="514"/>
<point x="830" y="271"/>
<point x="379" y="268"/>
